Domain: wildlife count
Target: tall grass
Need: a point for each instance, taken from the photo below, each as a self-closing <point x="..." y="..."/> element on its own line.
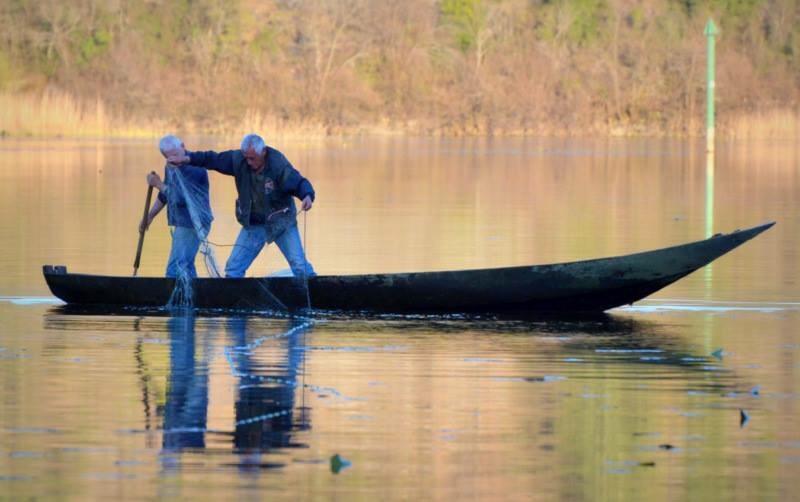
<point x="54" y="113"/>
<point x="255" y="121"/>
<point x="770" y="124"/>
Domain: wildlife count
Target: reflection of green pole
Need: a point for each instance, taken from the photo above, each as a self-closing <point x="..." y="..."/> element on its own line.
<point x="709" y="194"/>
<point x="711" y="32"/>
<point x="709" y="271"/>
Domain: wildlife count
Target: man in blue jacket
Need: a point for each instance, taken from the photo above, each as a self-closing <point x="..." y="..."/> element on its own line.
<point x="188" y="209"/>
<point x="266" y="182"/>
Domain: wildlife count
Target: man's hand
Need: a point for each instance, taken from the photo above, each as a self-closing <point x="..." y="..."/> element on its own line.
<point x="307" y="203"/>
<point x="154" y="180"/>
<point x="176" y="156"/>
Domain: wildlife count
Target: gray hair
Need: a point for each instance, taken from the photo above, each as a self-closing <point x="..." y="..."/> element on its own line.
<point x="169" y="142"/>
<point x="253" y="141"/>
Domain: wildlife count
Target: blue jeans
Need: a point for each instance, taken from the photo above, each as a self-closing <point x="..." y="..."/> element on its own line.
<point x="184" y="248"/>
<point x="251" y="241"/>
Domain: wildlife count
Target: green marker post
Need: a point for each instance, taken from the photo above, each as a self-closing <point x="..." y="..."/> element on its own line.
<point x="710" y="32"/>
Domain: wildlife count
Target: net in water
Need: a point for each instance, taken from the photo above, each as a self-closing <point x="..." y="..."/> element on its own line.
<point x="199" y="212"/>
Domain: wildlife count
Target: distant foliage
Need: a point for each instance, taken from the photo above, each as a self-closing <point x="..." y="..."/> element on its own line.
<point x="453" y="66"/>
<point x="467" y="17"/>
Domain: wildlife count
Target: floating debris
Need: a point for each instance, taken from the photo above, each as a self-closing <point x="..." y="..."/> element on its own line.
<point x="546" y="378"/>
<point x="338" y="463"/>
<point x="743" y="418"/>
<point x="646" y="434"/>
<point x="755" y="391"/>
<point x="666" y="446"/>
<point x="719" y="354"/>
<point x="647" y="464"/>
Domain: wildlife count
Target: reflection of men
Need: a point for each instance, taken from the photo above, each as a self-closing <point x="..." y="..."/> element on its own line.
<point x="186" y="407"/>
<point x="265" y="182"/>
<point x="257" y="400"/>
<point x="185" y="238"/>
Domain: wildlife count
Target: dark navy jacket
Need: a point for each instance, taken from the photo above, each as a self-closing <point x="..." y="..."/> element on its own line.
<point x="284" y="182"/>
<point x="196" y="181"/>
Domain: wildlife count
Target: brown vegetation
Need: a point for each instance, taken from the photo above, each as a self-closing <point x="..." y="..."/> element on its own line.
<point x="92" y="67"/>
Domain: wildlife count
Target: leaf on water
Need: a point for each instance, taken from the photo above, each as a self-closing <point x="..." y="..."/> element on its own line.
<point x="338" y="463"/>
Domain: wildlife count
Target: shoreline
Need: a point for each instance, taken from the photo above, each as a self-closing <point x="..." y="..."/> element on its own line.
<point x="60" y="115"/>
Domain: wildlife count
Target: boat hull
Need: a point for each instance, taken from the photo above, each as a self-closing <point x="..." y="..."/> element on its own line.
<point x="576" y="287"/>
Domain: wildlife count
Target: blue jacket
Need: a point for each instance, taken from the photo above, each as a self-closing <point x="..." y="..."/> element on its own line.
<point x="196" y="183"/>
<point x="284" y="180"/>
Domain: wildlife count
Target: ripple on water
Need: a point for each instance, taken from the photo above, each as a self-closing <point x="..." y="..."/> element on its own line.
<point x="31" y="300"/>
<point x="691" y="306"/>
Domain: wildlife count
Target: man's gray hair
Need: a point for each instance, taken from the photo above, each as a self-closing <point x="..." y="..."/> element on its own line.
<point x="253" y="141"/>
<point x="169" y="142"/>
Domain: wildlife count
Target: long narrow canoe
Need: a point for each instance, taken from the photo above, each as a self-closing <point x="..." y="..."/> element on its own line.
<point x="589" y="286"/>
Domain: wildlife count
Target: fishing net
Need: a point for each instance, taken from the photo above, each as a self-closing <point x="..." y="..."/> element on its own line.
<point x="199" y="212"/>
<point x="196" y="199"/>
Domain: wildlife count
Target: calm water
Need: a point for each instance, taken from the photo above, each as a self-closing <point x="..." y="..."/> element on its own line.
<point x="691" y="393"/>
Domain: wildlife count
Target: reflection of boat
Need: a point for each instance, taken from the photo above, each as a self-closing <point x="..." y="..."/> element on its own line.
<point x="580" y="287"/>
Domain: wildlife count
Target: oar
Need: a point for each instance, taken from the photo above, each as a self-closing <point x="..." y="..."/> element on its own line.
<point x="142" y="230"/>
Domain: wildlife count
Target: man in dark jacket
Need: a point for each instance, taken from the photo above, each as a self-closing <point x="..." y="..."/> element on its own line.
<point x="266" y="182"/>
<point x="190" y="224"/>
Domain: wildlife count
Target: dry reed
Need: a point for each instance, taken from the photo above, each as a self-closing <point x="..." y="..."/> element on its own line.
<point x="55" y="113"/>
<point x="770" y="124"/>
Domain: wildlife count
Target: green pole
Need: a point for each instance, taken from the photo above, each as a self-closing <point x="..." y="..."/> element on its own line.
<point x="710" y="32"/>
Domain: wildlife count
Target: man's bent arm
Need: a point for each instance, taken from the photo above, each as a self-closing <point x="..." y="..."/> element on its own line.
<point x="158" y="205"/>
<point x="304" y="189"/>
<point x="221" y="162"/>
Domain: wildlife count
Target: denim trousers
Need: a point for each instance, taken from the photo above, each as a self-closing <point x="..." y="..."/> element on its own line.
<point x="184" y="248"/>
<point x="251" y="241"/>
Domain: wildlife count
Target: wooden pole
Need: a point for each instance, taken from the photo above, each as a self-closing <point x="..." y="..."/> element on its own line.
<point x="142" y="230"/>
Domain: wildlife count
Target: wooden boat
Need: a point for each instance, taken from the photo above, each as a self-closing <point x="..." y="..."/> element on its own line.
<point x="589" y="286"/>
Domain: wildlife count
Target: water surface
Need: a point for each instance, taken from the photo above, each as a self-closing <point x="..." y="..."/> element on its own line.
<point x="690" y="393"/>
